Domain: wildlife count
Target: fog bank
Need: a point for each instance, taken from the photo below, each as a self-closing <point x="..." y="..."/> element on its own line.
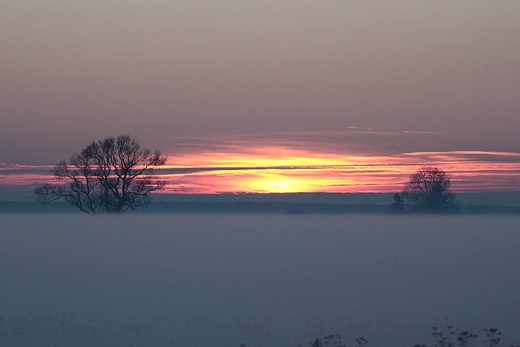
<point x="264" y="280"/>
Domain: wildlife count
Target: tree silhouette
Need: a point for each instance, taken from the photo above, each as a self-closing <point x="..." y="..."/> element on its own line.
<point x="429" y="190"/>
<point x="398" y="204"/>
<point x="109" y="176"/>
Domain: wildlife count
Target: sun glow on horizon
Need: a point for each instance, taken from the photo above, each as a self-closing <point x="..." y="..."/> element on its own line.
<point x="271" y="169"/>
<point x="280" y="185"/>
<point x="276" y="169"/>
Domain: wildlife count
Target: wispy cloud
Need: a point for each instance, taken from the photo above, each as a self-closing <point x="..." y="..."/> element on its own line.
<point x="355" y="140"/>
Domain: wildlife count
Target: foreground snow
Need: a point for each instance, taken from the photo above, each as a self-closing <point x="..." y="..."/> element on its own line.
<point x="264" y="280"/>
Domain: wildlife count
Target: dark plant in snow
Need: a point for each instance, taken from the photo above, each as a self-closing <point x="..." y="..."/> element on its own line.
<point x="441" y="340"/>
<point x="465" y="338"/>
<point x="492" y="337"/>
<point x="361" y="342"/>
<point x="448" y="338"/>
<point x="333" y="341"/>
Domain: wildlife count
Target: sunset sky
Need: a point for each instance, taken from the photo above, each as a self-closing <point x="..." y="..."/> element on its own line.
<point x="266" y="96"/>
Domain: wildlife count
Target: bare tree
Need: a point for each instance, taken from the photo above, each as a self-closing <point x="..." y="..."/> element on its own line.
<point x="429" y="190"/>
<point x="109" y="176"/>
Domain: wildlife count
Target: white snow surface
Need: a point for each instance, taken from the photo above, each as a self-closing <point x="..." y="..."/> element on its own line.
<point x="190" y="280"/>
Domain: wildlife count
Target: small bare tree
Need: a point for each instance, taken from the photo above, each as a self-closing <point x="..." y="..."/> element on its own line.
<point x="398" y="204"/>
<point x="429" y="190"/>
<point x="109" y="176"/>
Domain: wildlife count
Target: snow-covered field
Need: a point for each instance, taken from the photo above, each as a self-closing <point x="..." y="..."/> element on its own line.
<point x="263" y="280"/>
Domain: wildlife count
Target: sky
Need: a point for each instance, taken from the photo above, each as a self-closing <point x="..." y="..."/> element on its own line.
<point x="266" y="84"/>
